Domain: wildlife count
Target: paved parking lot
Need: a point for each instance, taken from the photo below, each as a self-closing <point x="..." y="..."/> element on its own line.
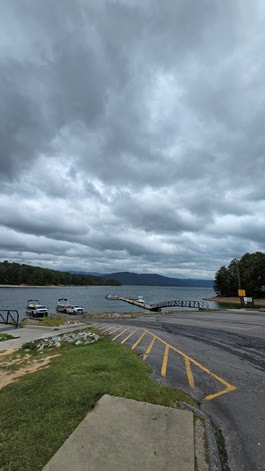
<point x="218" y="358"/>
<point x="168" y="358"/>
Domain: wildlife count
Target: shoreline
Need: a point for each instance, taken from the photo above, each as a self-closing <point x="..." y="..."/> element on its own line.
<point x="234" y="300"/>
<point x="40" y="286"/>
<point x="50" y="286"/>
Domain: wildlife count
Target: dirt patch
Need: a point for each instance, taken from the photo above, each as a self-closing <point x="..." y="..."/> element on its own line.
<point x="14" y="361"/>
<point x="8" y="352"/>
<point x="8" y="377"/>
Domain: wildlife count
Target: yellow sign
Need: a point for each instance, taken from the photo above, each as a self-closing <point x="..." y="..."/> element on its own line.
<point x="241" y="292"/>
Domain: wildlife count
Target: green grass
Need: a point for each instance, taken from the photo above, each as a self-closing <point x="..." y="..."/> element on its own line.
<point x="47" y="322"/>
<point x="51" y="322"/>
<point x="229" y="305"/>
<point x="5" y="337"/>
<point x="40" y="411"/>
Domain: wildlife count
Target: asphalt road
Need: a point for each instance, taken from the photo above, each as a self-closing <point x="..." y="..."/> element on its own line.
<point x="218" y="358"/>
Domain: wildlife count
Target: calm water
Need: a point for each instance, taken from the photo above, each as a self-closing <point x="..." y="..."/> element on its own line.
<point x="92" y="298"/>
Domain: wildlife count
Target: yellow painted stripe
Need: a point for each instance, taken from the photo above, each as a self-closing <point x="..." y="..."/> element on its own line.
<point x="229" y="386"/>
<point x="189" y="373"/>
<point x="164" y="364"/>
<point x="115" y="330"/>
<point x="123" y="332"/>
<point x="101" y="326"/>
<point x="220" y="393"/>
<point x="128" y="336"/>
<point x="138" y="341"/>
<point x="149" y="348"/>
<point x="106" y="330"/>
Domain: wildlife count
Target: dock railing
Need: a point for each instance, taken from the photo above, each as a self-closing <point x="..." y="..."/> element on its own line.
<point x="9" y="316"/>
<point x="158" y="306"/>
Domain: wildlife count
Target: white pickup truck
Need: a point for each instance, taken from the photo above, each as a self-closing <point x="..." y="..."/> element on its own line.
<point x="75" y="310"/>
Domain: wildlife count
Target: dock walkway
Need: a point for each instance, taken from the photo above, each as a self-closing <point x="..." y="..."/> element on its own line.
<point x="158" y="306"/>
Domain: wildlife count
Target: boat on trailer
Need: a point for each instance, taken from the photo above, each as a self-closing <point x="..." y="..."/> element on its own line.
<point x="35" y="309"/>
<point x="62" y="305"/>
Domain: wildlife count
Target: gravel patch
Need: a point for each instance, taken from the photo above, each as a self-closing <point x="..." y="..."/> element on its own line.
<point x="79" y="338"/>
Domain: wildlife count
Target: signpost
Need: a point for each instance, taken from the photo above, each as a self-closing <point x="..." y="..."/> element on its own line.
<point x="241" y="292"/>
<point x="248" y="301"/>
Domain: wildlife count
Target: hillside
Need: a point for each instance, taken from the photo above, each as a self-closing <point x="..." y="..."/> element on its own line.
<point x="127" y="278"/>
<point x="16" y="274"/>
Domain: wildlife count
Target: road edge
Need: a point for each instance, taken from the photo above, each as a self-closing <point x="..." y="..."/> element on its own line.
<point x="214" y="457"/>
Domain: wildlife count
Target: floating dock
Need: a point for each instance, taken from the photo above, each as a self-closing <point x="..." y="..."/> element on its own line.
<point x="158" y="306"/>
<point x="133" y="301"/>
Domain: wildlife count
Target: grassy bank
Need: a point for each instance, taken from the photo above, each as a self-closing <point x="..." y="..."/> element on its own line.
<point x="41" y="410"/>
<point x="6" y="337"/>
<point x="51" y="321"/>
<point x="235" y="301"/>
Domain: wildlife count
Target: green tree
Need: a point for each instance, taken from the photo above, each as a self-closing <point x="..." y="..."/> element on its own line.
<point x="220" y="284"/>
<point x="16" y="274"/>
<point x="252" y="275"/>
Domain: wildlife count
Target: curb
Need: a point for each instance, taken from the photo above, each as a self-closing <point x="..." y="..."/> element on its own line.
<point x="68" y="326"/>
<point x="71" y="326"/>
<point x="215" y="463"/>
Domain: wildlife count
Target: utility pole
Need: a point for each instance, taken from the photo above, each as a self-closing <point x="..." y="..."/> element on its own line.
<point x="238" y="275"/>
<point x="239" y="281"/>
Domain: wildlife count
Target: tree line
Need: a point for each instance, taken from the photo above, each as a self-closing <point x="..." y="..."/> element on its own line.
<point x="17" y="274"/>
<point x="251" y="269"/>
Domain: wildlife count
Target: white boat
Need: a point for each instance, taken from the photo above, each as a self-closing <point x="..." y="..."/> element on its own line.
<point x="140" y="299"/>
<point x="62" y="305"/>
<point x="35" y="309"/>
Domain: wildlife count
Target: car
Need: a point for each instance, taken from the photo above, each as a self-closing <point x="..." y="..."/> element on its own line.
<point x="75" y="310"/>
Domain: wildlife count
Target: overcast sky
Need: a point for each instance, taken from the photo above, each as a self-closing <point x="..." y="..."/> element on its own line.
<point x="132" y="134"/>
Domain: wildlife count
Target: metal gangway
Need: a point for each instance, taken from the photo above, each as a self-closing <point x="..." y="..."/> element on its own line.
<point x="180" y="303"/>
<point x="9" y="316"/>
<point x="158" y="306"/>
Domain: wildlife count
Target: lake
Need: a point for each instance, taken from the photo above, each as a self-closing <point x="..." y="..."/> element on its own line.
<point x="92" y="298"/>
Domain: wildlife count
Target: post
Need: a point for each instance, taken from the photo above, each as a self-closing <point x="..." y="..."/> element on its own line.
<point x="238" y="275"/>
<point x="239" y="281"/>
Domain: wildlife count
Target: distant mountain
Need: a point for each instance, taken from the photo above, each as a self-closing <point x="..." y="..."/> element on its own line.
<point x="144" y="279"/>
<point x="80" y="272"/>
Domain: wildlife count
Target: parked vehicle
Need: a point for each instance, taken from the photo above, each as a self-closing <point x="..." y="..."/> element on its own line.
<point x="77" y="310"/>
<point x="62" y="305"/>
<point x="35" y="309"/>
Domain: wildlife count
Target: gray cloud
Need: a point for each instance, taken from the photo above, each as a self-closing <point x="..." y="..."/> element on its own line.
<point x="131" y="134"/>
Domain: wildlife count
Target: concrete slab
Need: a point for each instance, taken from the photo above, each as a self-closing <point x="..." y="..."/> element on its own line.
<point x="80" y="325"/>
<point x="27" y="334"/>
<point x="122" y="434"/>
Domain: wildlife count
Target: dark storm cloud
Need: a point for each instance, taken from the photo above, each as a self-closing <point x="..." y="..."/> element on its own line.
<point x="132" y="134"/>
